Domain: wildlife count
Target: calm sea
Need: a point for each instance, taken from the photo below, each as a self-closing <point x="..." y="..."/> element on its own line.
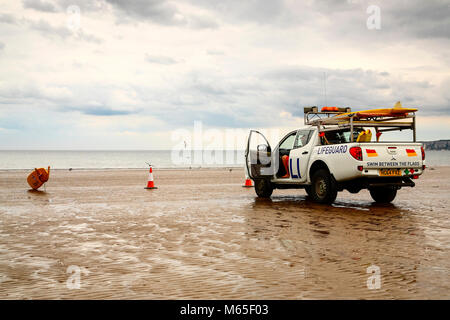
<point x="139" y="159"/>
<point x="118" y="159"/>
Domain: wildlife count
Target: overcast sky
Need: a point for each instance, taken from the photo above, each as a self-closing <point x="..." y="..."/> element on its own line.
<point x="126" y="74"/>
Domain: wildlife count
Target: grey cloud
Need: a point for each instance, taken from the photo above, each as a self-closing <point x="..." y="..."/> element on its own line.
<point x="159" y="59"/>
<point x="202" y="22"/>
<point x="399" y="19"/>
<point x="258" y="100"/>
<point x="84" y="5"/>
<point x="296" y="87"/>
<point x="296" y="73"/>
<point x="47" y="30"/>
<point x="99" y="111"/>
<point x="225" y="118"/>
<point x="215" y="52"/>
<point x="17" y="93"/>
<point x="260" y="11"/>
<point x="237" y="101"/>
<point x="209" y="87"/>
<point x="89" y="37"/>
<point x="2" y="46"/>
<point x="425" y="19"/>
<point x="39" y="5"/>
<point x="7" y="18"/>
<point x="199" y="96"/>
<point x="158" y="11"/>
<point x="91" y="99"/>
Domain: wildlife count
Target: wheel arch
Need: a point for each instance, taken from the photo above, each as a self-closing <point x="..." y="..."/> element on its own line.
<point x="317" y="164"/>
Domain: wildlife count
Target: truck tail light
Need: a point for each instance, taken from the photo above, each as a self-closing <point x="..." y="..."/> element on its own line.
<point x="423" y="153"/>
<point x="360" y="168"/>
<point x="356" y="153"/>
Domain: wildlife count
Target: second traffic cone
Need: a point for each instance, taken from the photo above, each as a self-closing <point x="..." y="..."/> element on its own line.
<point x="248" y="183"/>
<point x="150" y="183"/>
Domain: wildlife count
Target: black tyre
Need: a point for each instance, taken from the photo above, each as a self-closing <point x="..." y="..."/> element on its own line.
<point x="263" y="188"/>
<point x="308" y="190"/>
<point x="383" y="194"/>
<point x="323" y="187"/>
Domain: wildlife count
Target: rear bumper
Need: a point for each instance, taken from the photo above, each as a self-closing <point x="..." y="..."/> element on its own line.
<point x="404" y="182"/>
<point x="365" y="183"/>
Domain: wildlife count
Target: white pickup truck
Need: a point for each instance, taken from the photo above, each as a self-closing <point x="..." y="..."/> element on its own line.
<point x="328" y="156"/>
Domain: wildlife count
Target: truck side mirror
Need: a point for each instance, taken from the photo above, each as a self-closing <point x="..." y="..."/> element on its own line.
<point x="263" y="148"/>
<point x="263" y="152"/>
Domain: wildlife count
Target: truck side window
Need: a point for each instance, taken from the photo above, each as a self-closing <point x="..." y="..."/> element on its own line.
<point x="339" y="136"/>
<point x="345" y="135"/>
<point x="302" y="138"/>
<point x="288" y="142"/>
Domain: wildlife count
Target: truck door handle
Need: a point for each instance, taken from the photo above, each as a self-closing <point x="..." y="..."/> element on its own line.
<point x="305" y="152"/>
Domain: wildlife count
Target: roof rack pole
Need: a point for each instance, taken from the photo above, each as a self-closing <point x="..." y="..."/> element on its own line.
<point x="318" y="131"/>
<point x="351" y="129"/>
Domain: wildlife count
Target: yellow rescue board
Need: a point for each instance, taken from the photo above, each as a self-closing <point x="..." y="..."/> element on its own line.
<point x="397" y="111"/>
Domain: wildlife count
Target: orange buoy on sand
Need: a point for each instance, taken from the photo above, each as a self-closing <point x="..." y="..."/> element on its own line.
<point x="150" y="183"/>
<point x="38" y="177"/>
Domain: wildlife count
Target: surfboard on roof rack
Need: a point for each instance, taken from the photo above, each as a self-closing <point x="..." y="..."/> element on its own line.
<point x="396" y="111"/>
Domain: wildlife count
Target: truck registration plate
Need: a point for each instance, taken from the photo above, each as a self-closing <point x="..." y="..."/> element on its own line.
<point x="390" y="172"/>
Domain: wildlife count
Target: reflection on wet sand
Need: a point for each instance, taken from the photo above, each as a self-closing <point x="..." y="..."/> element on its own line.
<point x="212" y="239"/>
<point x="336" y="244"/>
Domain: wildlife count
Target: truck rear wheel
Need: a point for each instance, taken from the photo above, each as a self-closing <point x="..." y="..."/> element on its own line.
<point x="383" y="194"/>
<point x="263" y="188"/>
<point x="323" y="187"/>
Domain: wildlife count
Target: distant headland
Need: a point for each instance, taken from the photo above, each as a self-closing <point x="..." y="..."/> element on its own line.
<point x="437" y="145"/>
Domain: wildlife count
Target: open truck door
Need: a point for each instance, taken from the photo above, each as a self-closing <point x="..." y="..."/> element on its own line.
<point x="259" y="160"/>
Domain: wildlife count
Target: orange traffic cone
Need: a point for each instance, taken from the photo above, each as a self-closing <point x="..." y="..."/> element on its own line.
<point x="248" y="183"/>
<point x="150" y="184"/>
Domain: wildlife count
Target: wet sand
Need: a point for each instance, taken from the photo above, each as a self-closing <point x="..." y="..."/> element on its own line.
<point x="202" y="236"/>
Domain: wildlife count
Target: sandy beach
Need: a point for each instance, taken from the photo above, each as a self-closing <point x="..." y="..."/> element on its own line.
<point x="200" y="235"/>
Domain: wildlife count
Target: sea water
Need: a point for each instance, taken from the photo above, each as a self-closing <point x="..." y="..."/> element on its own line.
<point x="28" y="159"/>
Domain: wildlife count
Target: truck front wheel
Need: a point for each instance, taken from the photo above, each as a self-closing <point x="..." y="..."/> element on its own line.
<point x="383" y="194"/>
<point x="323" y="187"/>
<point x="263" y="188"/>
<point x="308" y="190"/>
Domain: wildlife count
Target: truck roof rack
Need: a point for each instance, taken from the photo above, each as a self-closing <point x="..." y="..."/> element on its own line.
<point x="325" y="121"/>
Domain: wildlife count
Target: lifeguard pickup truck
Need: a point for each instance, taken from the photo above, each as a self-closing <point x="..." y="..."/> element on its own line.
<point x="336" y="150"/>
